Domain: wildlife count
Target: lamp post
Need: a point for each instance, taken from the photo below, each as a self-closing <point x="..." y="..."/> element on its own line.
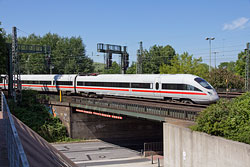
<point x="210" y="39"/>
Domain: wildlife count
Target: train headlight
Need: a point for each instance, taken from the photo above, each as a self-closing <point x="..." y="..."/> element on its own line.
<point x="209" y="93"/>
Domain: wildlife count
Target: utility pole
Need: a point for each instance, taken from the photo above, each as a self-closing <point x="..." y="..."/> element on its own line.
<point x="247" y="68"/>
<point x="14" y="66"/>
<point x="209" y="39"/>
<point x="215" y="58"/>
<point x="139" y="59"/>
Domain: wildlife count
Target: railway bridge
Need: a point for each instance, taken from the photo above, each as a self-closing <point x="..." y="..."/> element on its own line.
<point x="116" y="119"/>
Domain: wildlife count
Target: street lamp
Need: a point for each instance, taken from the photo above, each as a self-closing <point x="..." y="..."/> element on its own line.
<point x="211" y="38"/>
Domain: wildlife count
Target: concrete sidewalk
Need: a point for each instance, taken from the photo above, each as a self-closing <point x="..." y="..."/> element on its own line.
<point x="3" y="146"/>
<point x="103" y="154"/>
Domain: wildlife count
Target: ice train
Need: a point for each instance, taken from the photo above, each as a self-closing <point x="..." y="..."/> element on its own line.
<point x="181" y="87"/>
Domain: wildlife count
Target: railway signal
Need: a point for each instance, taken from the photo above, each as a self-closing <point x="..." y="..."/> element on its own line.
<point x="114" y="49"/>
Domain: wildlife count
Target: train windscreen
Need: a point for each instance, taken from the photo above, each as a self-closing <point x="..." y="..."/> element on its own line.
<point x="203" y="83"/>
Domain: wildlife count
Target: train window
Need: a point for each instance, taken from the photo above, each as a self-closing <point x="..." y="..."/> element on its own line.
<point x="169" y="86"/>
<point x="79" y="83"/>
<point x="203" y="83"/>
<point x="141" y="85"/>
<point x="192" y="88"/>
<point x="36" y="82"/>
<point x="1" y="80"/>
<point x="174" y="86"/>
<point x="64" y="83"/>
<point x="105" y="84"/>
<point x="179" y="87"/>
<point x="45" y="82"/>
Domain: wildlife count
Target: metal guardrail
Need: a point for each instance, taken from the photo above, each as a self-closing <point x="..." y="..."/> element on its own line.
<point x="16" y="154"/>
<point x="135" y="108"/>
<point x="158" y="111"/>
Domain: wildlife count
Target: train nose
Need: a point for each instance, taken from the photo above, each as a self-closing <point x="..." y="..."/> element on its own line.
<point x="214" y="96"/>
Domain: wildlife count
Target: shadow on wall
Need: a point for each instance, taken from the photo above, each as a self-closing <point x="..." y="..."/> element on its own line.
<point x="128" y="132"/>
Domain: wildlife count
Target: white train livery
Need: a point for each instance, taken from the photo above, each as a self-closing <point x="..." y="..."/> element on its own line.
<point x="182" y="87"/>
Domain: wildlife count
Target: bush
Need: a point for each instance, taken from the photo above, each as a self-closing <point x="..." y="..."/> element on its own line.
<point x="37" y="117"/>
<point x="229" y="119"/>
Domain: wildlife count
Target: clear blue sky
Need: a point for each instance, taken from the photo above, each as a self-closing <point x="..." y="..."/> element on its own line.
<point x="180" y="23"/>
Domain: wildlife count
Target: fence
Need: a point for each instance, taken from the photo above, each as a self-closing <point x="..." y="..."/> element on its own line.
<point x="153" y="148"/>
<point x="16" y="154"/>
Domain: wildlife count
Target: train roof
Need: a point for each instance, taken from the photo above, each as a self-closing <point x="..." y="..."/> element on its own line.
<point x="113" y="77"/>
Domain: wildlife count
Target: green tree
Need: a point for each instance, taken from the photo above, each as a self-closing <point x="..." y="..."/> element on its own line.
<point x="132" y="69"/>
<point x="115" y="69"/>
<point x="227" y="118"/>
<point x="68" y="55"/>
<point x="230" y="66"/>
<point x="3" y="52"/>
<point x="99" y="67"/>
<point x="240" y="64"/>
<point x="222" y="78"/>
<point x="155" y="57"/>
<point x="185" y="64"/>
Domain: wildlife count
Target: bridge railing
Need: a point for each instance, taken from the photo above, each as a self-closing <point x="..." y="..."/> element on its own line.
<point x="136" y="108"/>
<point x="16" y="154"/>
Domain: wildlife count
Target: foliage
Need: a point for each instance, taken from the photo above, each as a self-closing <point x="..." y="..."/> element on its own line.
<point x="67" y="55"/>
<point x="37" y="117"/>
<point x="229" y="119"/>
<point x="99" y="67"/>
<point x="3" y="52"/>
<point x="222" y="78"/>
<point x="115" y="69"/>
<point x="240" y="64"/>
<point x="132" y="69"/>
<point x="185" y="64"/>
<point x="155" y="57"/>
<point x="230" y="66"/>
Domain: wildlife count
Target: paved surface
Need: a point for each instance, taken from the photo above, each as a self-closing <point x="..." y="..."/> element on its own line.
<point x="104" y="154"/>
<point x="3" y="148"/>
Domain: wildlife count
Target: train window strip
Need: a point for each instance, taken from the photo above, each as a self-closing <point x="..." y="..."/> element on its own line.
<point x="36" y="82"/>
<point x="105" y="84"/>
<point x="116" y="84"/>
<point x="179" y="87"/>
<point x="69" y="83"/>
<point x="141" y="85"/>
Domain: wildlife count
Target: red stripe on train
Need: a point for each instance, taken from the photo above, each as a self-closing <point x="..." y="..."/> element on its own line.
<point x="169" y="92"/>
<point x="111" y="89"/>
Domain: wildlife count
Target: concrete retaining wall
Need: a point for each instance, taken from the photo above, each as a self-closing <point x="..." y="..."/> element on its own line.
<point x="184" y="148"/>
<point x="64" y="114"/>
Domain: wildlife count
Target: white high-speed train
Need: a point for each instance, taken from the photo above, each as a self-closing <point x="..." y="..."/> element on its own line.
<point x="182" y="87"/>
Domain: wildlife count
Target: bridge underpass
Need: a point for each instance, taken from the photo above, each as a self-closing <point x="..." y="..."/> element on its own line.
<point x="129" y="125"/>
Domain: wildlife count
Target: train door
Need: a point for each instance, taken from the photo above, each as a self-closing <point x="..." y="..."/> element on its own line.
<point x="157" y="87"/>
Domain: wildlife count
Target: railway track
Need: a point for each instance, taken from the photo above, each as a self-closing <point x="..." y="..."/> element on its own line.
<point x="229" y="95"/>
<point x="157" y="101"/>
<point x="145" y="102"/>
